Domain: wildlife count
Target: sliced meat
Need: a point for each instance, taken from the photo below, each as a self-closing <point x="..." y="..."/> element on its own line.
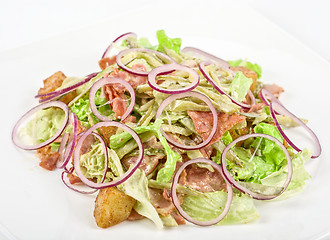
<point x="106" y="62"/>
<point x="201" y="179"/>
<point x="178" y="218"/>
<point x="274" y="89"/>
<point x="115" y="92"/>
<point x="134" y="215"/>
<point x="148" y="164"/>
<point x="203" y="122"/>
<point x="162" y="206"/>
<point x="256" y="107"/>
<point x="247" y="73"/>
<point x="48" y="159"/>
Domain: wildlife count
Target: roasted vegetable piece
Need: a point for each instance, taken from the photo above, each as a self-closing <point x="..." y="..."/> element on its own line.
<point x="112" y="207"/>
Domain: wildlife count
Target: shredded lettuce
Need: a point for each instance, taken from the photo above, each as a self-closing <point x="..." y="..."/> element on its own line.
<point x="165" y="173"/>
<point x="242" y="209"/>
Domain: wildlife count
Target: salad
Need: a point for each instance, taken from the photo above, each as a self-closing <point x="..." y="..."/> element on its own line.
<point x="167" y="133"/>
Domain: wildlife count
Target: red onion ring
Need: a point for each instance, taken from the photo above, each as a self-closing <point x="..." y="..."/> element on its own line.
<point x="165" y="69"/>
<point x="279" y="107"/>
<point x="213" y="83"/>
<point x="58" y="104"/>
<point x="202" y="97"/>
<point x="138" y="72"/>
<point x="64" y="140"/>
<point x="198" y="52"/>
<point x="120" y="38"/>
<point x="122" y="178"/>
<point x="244" y="189"/>
<point x="74" y="188"/>
<point x="176" y="201"/>
<point x="110" y="80"/>
<point x="58" y="93"/>
<point x="66" y="156"/>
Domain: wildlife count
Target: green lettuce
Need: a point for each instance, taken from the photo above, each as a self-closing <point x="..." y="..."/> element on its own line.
<point x="240" y="86"/>
<point x="269" y="157"/>
<point x="83" y="111"/>
<point x="269" y="149"/>
<point x="165" y="42"/>
<point x="252" y="66"/>
<point x="242" y="209"/>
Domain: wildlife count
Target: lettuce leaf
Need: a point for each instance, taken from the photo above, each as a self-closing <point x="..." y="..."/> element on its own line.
<point x="165" y="42"/>
<point x="240" y="86"/>
<point x="299" y="177"/>
<point x="270" y="150"/>
<point x="44" y="125"/>
<point x="242" y="209"/>
<point x="252" y="66"/>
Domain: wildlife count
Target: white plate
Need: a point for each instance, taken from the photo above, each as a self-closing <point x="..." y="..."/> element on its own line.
<point x="34" y="204"/>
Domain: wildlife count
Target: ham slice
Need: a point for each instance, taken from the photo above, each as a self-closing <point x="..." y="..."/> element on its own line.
<point x="203" y="122"/>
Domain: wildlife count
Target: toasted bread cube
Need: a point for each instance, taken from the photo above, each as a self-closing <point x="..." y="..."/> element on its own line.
<point x="112" y="207"/>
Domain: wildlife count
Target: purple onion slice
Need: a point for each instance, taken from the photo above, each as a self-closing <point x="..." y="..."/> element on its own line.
<point x="280" y="109"/>
<point x="144" y="50"/>
<point x="126" y="175"/>
<point x="68" y="151"/>
<point x="15" y="133"/>
<point x="110" y="80"/>
<point x="165" y="69"/>
<point x="118" y="39"/>
<point x="208" y="56"/>
<point x="218" y="88"/>
<point x="200" y="96"/>
<point x="244" y="189"/>
<point x="176" y="201"/>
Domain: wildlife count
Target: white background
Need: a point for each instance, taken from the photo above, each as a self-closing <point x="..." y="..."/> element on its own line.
<point x="23" y="22"/>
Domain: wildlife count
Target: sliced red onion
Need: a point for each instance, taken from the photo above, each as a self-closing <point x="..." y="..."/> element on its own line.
<point x="144" y="50"/>
<point x="244" y="189"/>
<point x="58" y="93"/>
<point x="122" y="178"/>
<point x="176" y="201"/>
<point x="208" y="56"/>
<point x="280" y="109"/>
<point x="118" y="39"/>
<point x="110" y="80"/>
<point x="218" y="88"/>
<point x="73" y="187"/>
<point x="165" y="69"/>
<point x="66" y="156"/>
<point x="64" y="140"/>
<point x="15" y="137"/>
<point x="200" y="96"/>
